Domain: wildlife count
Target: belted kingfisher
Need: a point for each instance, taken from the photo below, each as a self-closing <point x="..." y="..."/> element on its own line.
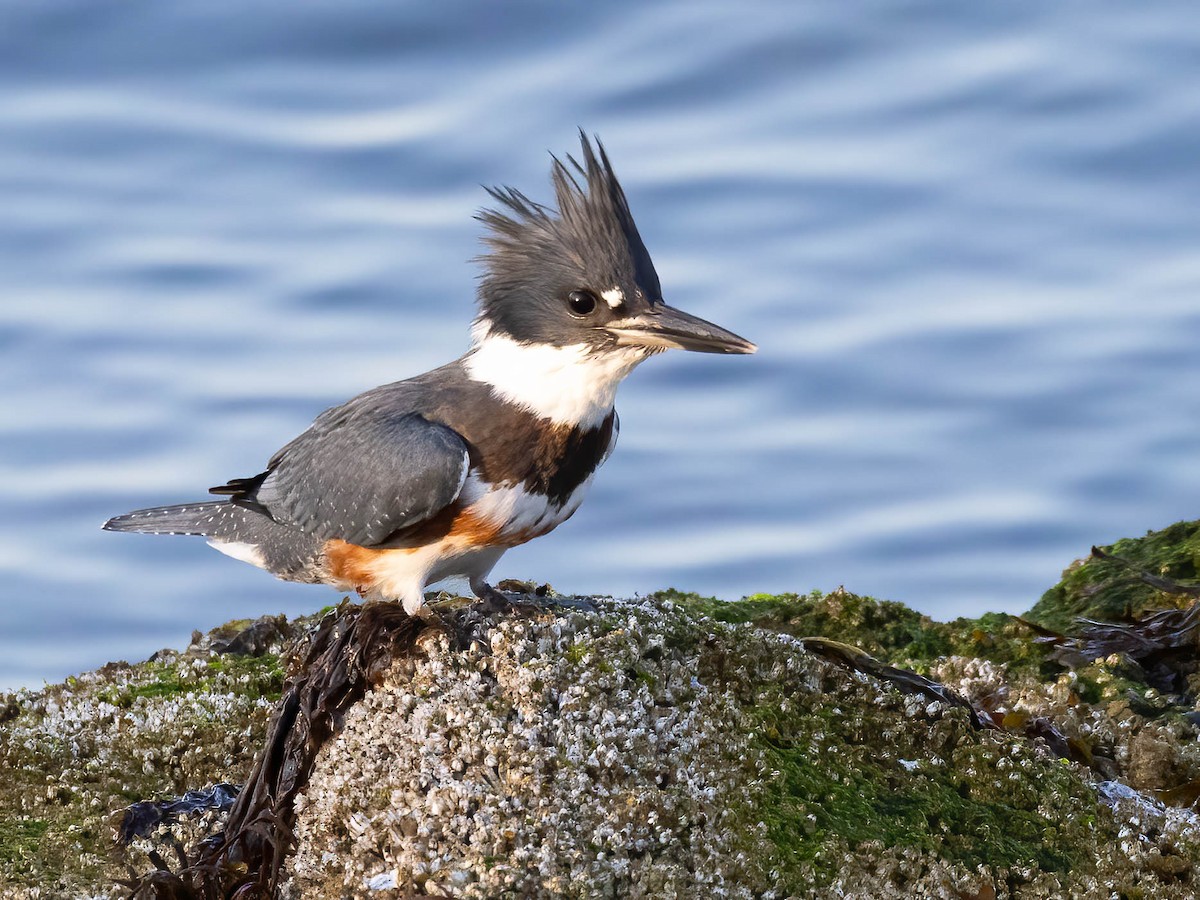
<point x="438" y="475"/>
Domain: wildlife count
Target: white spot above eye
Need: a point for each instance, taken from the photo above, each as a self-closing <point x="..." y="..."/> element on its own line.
<point x="614" y="297"/>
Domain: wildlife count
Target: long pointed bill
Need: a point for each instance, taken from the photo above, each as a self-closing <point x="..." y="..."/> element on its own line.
<point x="667" y="327"/>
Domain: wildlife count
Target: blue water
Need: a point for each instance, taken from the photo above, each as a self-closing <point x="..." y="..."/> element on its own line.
<point x="966" y="237"/>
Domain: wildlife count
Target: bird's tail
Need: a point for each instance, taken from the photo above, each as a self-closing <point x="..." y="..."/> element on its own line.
<point x="205" y="517"/>
<point x="242" y="533"/>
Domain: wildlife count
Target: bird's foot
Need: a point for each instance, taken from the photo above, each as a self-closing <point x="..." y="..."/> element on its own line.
<point x="469" y="625"/>
<point x="492" y="600"/>
<point x="464" y="623"/>
<point x="525" y="598"/>
<point x="468" y="629"/>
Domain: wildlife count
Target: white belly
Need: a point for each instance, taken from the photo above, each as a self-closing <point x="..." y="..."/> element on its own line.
<point x="518" y="516"/>
<point x="521" y="516"/>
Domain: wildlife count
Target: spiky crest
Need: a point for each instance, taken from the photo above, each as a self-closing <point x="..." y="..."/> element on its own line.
<point x="590" y="240"/>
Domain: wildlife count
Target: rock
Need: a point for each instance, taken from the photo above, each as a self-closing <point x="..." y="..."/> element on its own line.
<point x="667" y="746"/>
<point x="1154" y="761"/>
<point x="646" y="752"/>
<point x="74" y="755"/>
<point x="1096" y="588"/>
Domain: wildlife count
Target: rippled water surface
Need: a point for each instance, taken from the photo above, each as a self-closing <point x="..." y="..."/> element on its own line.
<point x="964" y="235"/>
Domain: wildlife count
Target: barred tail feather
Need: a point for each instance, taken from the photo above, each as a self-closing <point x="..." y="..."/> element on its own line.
<point x="204" y="517"/>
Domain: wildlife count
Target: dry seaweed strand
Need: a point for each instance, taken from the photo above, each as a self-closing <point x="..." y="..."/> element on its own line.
<point x="908" y="682"/>
<point x="1158" y="582"/>
<point x="1163" y="642"/>
<point x="348" y="653"/>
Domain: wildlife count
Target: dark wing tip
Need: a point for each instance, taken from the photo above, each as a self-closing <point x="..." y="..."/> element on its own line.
<point x="240" y="487"/>
<point x="243" y="492"/>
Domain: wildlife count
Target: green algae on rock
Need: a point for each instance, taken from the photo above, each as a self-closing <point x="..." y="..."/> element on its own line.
<point x="73" y="755"/>
<point x="884" y="628"/>
<point x="645" y="751"/>
<point x="1100" y="588"/>
<point x="658" y="747"/>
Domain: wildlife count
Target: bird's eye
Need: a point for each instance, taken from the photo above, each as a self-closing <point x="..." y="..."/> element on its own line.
<point x="581" y="303"/>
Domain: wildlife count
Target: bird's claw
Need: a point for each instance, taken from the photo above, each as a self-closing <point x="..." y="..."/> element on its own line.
<point x="527" y="601"/>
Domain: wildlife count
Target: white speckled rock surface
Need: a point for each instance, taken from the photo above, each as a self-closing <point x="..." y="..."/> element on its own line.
<point x="647" y="752"/>
<point x="579" y="752"/>
<point x="640" y="750"/>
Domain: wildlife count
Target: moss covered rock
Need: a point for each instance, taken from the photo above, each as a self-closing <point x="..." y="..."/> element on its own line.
<point x="73" y="755"/>
<point x="1108" y="589"/>
<point x="668" y="746"/>
<point x="648" y="750"/>
<point x="884" y="628"/>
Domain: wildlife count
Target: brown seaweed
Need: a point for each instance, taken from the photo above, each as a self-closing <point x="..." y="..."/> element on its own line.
<point x="1161" y="644"/>
<point x="905" y="680"/>
<point x="348" y="652"/>
<point x="143" y="817"/>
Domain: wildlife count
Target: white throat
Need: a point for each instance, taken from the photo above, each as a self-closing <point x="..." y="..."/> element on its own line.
<point x="570" y="385"/>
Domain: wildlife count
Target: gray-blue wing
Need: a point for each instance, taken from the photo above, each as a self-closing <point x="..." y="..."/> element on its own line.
<point x="361" y="478"/>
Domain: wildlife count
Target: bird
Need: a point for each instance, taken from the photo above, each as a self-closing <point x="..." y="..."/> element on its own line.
<point x="437" y="476"/>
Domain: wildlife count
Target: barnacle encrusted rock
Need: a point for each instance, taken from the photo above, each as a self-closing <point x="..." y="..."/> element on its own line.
<point x="578" y="753"/>
<point x="645" y="751"/>
<point x="672" y="746"/>
<point x="74" y="754"/>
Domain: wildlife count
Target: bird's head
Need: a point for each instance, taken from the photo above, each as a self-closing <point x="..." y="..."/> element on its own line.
<point x="580" y="276"/>
<point x="569" y="302"/>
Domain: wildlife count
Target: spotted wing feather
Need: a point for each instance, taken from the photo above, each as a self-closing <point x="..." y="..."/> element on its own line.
<point x="358" y="477"/>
